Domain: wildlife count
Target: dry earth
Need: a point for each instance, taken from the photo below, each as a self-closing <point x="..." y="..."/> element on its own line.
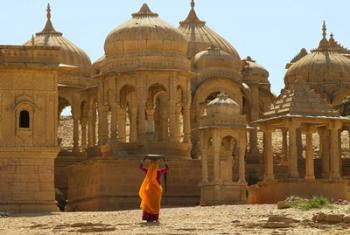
<point x="234" y="219"/>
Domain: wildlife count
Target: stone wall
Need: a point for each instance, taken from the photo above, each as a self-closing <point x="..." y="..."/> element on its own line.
<point x="27" y="183"/>
<point x="111" y="184"/>
<point x="63" y="160"/>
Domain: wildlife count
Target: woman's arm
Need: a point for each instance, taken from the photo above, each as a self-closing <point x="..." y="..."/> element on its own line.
<point x="163" y="170"/>
<point x="142" y="167"/>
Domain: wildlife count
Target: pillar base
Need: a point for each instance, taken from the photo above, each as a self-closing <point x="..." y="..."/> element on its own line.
<point x="309" y="178"/>
<point x="220" y="194"/>
<point x="29" y="207"/>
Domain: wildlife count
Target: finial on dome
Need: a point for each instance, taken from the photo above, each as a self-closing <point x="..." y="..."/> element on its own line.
<point x="192" y="18"/>
<point x="324" y="43"/>
<point x="48" y="10"/>
<point x="144" y="11"/>
<point x="48" y="29"/>
<point x="33" y="40"/>
<point x="324" y="29"/>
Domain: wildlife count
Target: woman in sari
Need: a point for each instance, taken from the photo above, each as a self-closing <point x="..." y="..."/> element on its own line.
<point x="151" y="191"/>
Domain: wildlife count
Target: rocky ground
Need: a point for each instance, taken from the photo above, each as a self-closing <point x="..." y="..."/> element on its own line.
<point x="234" y="219"/>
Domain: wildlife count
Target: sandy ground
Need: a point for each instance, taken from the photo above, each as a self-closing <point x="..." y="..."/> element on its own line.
<point x="235" y="219"/>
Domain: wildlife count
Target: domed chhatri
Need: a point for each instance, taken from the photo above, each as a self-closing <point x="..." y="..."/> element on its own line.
<point x="70" y="54"/>
<point x="326" y="63"/>
<point x="200" y="36"/>
<point x="253" y="72"/>
<point x="223" y="104"/>
<point x="214" y="57"/>
<point x="145" y="42"/>
<point x="222" y="111"/>
<point x="145" y="33"/>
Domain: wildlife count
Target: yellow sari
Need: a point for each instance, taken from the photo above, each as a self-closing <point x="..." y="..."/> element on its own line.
<point x="151" y="191"/>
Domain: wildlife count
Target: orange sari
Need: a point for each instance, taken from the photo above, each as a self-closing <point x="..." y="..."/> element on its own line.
<point x="151" y="191"/>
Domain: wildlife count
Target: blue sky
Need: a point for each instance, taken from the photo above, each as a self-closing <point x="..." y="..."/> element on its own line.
<point x="271" y="31"/>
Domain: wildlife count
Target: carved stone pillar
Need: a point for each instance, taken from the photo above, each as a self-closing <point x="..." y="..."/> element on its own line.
<point x="93" y="122"/>
<point x="216" y="153"/>
<point x="253" y="142"/>
<point x="293" y="158"/>
<point x="178" y="110"/>
<point x="83" y="133"/>
<point x="133" y="124"/>
<point x="299" y="144"/>
<point x="334" y="152"/>
<point x="141" y="121"/>
<point x="254" y="114"/>
<point x="242" y="149"/>
<point x="284" y="145"/>
<point x="172" y="123"/>
<point x="103" y="125"/>
<point x="324" y="151"/>
<point x="204" y="153"/>
<point x="121" y="124"/>
<point x="172" y="108"/>
<point x="76" y="134"/>
<point x="76" y="117"/>
<point x="309" y="161"/>
<point x="113" y="130"/>
<point x="268" y="156"/>
<point x="187" y="124"/>
<point x="90" y="128"/>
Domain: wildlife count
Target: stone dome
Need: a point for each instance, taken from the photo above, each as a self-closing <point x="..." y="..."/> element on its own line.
<point x="214" y="57"/>
<point x="325" y="64"/>
<point x="320" y="66"/>
<point x="223" y="105"/>
<point x="200" y="36"/>
<point x="145" y="34"/>
<point x="70" y="54"/>
<point x="254" y="73"/>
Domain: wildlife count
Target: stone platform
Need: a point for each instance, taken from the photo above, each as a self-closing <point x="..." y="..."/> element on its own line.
<point x="272" y="192"/>
<point x="104" y="184"/>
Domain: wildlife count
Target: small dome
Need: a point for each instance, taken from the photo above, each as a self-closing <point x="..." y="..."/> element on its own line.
<point x="223" y="104"/>
<point x="326" y="63"/>
<point x="214" y="57"/>
<point x="145" y="34"/>
<point x="70" y="54"/>
<point x="200" y="37"/>
<point x="254" y="73"/>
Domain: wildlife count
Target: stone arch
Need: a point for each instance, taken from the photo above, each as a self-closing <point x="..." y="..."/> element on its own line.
<point x="212" y="86"/>
<point x="157" y="112"/>
<point x="63" y="103"/>
<point x="128" y="103"/>
<point x="153" y="92"/>
<point x="229" y="157"/>
<point x="127" y="94"/>
<point x="24" y="119"/>
<point x="25" y="133"/>
<point x="24" y="107"/>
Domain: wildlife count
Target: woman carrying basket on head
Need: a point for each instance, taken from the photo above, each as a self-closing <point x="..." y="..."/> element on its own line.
<point x="151" y="190"/>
